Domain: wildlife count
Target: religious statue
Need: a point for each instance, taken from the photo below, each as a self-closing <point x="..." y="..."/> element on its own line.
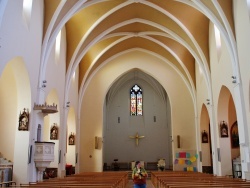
<point x="23" y="120"/>
<point x="54" y="132"/>
<point x="72" y="139"/>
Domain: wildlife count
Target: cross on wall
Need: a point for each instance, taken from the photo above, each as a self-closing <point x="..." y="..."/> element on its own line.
<point x="136" y="137"/>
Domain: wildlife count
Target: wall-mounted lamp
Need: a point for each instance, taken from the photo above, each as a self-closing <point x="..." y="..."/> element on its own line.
<point x="154" y="118"/>
<point x="208" y="101"/>
<point x="178" y="141"/>
<point x="234" y="79"/>
<point x="44" y="83"/>
<point x="98" y="142"/>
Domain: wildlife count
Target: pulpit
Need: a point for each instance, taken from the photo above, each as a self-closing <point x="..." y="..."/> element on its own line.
<point x="44" y="155"/>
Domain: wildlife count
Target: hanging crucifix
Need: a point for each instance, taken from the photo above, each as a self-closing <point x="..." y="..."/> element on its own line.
<point x="136" y="137"/>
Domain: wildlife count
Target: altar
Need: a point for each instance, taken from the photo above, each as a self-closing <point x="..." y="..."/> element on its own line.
<point x="130" y="165"/>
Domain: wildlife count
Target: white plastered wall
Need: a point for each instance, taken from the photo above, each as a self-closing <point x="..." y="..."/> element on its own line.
<point x="94" y="97"/>
<point x="205" y="147"/>
<point x="8" y="99"/>
<point x="71" y="128"/>
<point x="55" y="77"/>
<point x="203" y="120"/>
<point x="14" y="143"/>
<point x="242" y="30"/>
<point x="242" y="25"/>
<point x="26" y="43"/>
<point x="157" y="141"/>
<point x="72" y="119"/>
<point x="221" y="72"/>
<point x="52" y="119"/>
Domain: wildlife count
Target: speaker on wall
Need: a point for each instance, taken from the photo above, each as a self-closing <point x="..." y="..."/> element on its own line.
<point x="98" y="142"/>
<point x="178" y="141"/>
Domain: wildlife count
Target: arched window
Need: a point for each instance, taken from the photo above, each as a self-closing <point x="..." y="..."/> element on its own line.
<point x="217" y="41"/>
<point x="136" y="101"/>
<point x="27" y="10"/>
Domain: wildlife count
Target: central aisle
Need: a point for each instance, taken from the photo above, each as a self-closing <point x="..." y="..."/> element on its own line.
<point x="149" y="184"/>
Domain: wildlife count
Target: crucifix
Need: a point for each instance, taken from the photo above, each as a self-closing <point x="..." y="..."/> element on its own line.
<point x="136" y="137"/>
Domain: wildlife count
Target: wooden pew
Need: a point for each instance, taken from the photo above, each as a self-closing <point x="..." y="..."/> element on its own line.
<point x="86" y="180"/>
<point x="7" y="184"/>
<point x="194" y="179"/>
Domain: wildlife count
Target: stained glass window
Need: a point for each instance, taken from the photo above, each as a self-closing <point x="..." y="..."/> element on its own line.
<point x="136" y="101"/>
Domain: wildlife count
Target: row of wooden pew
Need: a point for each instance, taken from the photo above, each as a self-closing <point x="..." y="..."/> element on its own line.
<point x="173" y="179"/>
<point x="85" y="180"/>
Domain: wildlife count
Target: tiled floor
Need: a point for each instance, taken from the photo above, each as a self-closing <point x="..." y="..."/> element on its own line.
<point x="149" y="184"/>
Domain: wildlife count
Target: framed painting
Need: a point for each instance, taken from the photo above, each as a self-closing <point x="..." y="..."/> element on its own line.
<point x="235" y="135"/>
<point x="24" y="120"/>
<point x="223" y="129"/>
<point x="204" y="137"/>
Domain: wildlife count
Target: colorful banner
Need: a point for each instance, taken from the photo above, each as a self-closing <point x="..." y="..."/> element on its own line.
<point x="188" y="162"/>
<point x="177" y="155"/>
<point x="181" y="161"/>
<point x="182" y="155"/>
<point x="185" y="158"/>
<point x="190" y="169"/>
<point x="192" y="159"/>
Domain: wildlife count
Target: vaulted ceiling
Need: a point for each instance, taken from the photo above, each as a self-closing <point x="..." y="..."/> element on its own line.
<point x="177" y="30"/>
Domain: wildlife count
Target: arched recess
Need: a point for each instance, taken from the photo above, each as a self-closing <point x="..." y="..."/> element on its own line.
<point x="207" y="162"/>
<point x="154" y="123"/>
<point x="92" y="114"/>
<point x="71" y="140"/>
<point x="50" y="121"/>
<point x="226" y="118"/>
<point x="232" y="120"/>
<point x="15" y="95"/>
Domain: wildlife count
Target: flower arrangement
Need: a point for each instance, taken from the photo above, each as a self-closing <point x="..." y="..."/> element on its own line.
<point x="161" y="164"/>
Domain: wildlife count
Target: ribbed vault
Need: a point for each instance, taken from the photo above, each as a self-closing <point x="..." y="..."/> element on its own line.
<point x="96" y="30"/>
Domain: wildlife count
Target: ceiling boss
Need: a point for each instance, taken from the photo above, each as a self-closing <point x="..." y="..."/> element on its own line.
<point x="136" y="137"/>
